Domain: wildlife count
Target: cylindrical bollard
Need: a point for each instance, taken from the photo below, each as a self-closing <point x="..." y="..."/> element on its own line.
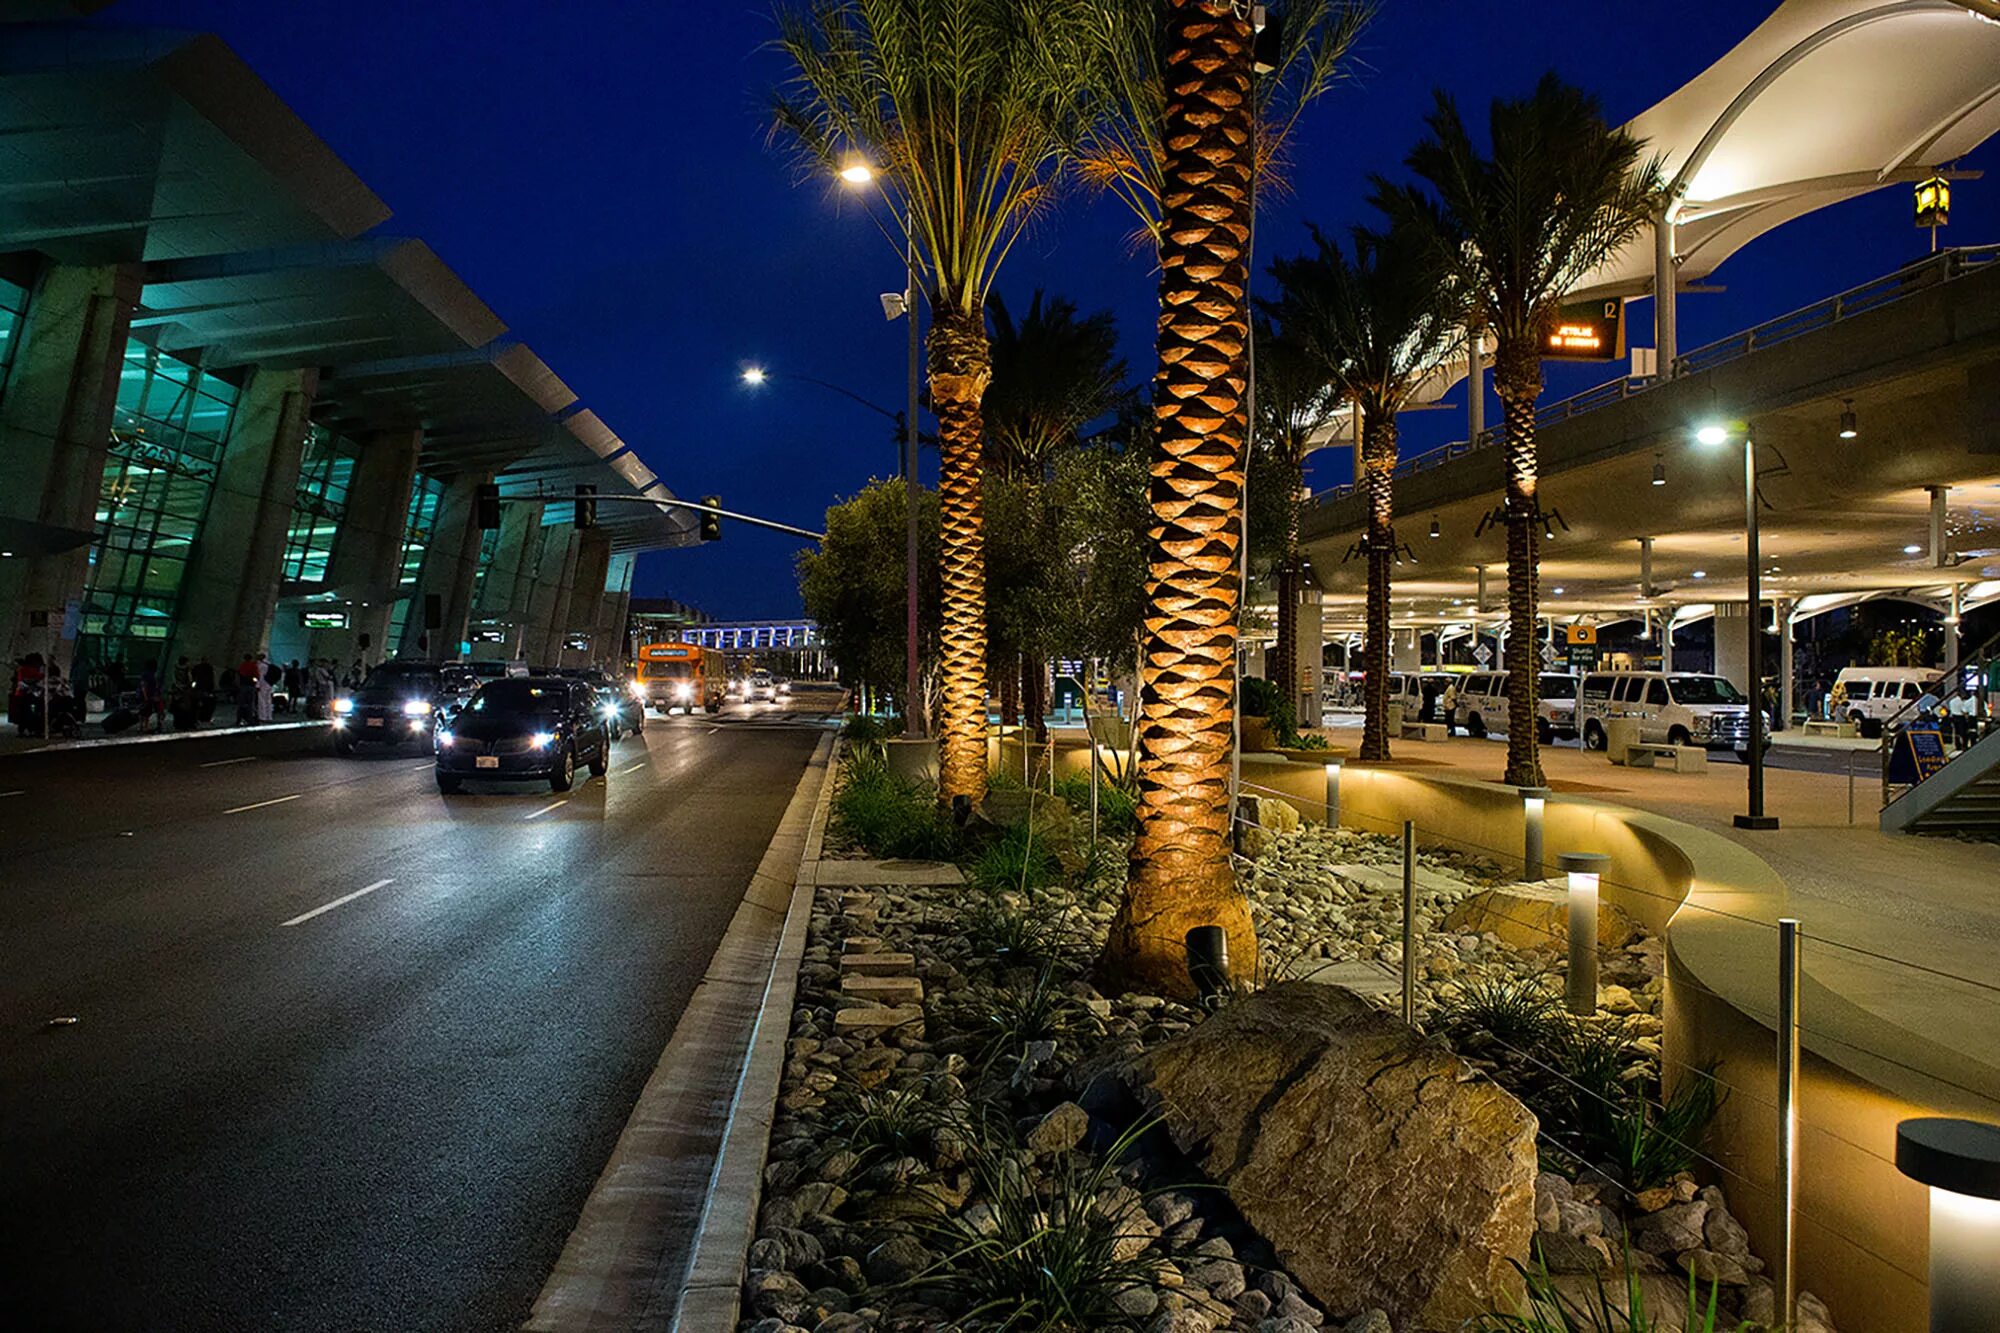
<point x="1208" y="960"/>
<point x="1786" y="1279"/>
<point x="1583" y="870"/>
<point x="1093" y="788"/>
<point x="1333" y="794"/>
<point x="1534" y="803"/>
<point x="1960" y="1161"/>
<point x="1409" y="922"/>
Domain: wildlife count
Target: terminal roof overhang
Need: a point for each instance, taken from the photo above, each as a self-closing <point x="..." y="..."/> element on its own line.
<point x="259" y="247"/>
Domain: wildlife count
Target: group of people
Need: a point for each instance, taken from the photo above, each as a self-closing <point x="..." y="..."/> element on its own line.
<point x="39" y="699"/>
<point x="257" y="690"/>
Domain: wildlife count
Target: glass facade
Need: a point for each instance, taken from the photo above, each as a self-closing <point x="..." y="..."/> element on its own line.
<point x="13" y="306"/>
<point x="425" y="496"/>
<point x="167" y="438"/>
<point x="326" y="469"/>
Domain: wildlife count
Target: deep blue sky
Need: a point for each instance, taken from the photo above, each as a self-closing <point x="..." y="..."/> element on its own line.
<point x="598" y="172"/>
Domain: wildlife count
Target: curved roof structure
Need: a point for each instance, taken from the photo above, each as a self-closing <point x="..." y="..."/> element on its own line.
<point x="1823" y="101"/>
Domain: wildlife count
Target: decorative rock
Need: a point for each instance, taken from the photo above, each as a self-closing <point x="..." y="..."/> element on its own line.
<point x="1294" y="1306"/>
<point x="1136" y="1301"/>
<point x="1535" y="916"/>
<point x="1182" y="1321"/>
<point x="897" y="1259"/>
<point x="1708" y="1266"/>
<point x="1724" y="1234"/>
<point x="767" y="1254"/>
<point x="1550" y="1190"/>
<point x="776" y="1294"/>
<point x="1671" y="1230"/>
<point x="1252" y="1305"/>
<point x="1380" y="1170"/>
<point x="1372" y="1321"/>
<point x="1222" y="1277"/>
<point x="1059" y="1131"/>
<point x="883" y="990"/>
<point x="1286" y="1324"/>
<point x="843" y="1322"/>
<point x="867" y="1019"/>
<point x="875" y="964"/>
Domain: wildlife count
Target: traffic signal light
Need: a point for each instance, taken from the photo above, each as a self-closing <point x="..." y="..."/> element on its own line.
<point x="711" y="524"/>
<point x="586" y="506"/>
<point x="487" y="504"/>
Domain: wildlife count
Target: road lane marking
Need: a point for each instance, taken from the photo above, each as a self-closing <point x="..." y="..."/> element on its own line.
<point x="337" y="902"/>
<point x="635" y="768"/>
<point x="5" y="794"/>
<point x="259" y="805"/>
<point x="219" y="763"/>
<point x="545" y="809"/>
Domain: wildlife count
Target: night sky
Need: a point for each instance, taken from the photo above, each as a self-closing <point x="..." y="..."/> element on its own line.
<point x="599" y="173"/>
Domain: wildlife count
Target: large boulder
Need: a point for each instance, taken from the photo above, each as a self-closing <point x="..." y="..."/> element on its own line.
<point x="1535" y="916"/>
<point x="1382" y="1169"/>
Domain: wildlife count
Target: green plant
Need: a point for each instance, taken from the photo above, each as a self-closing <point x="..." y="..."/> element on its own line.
<point x="1013" y="935"/>
<point x="1547" y="1309"/>
<point x="1051" y="1260"/>
<point x="882" y="1121"/>
<point x="1117" y="813"/>
<point x="1309" y="740"/>
<point x="1652" y="1141"/>
<point x="1016" y="1017"/>
<point x="1518" y="1011"/>
<point x="1015" y="860"/>
<point x="886" y="815"/>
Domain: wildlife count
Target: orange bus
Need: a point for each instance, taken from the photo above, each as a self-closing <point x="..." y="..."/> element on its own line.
<point x="681" y="675"/>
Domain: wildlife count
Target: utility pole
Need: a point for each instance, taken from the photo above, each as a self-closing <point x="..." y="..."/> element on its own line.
<point x="913" y="704"/>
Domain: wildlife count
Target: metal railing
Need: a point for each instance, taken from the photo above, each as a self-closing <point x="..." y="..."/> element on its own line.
<point x="1938" y="695"/>
<point x="1932" y="271"/>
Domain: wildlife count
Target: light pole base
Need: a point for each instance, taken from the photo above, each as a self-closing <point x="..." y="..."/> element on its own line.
<point x="1757" y="821"/>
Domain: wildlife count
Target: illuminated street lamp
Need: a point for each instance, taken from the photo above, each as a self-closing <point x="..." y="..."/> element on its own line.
<point x="1714" y="435"/>
<point x="1960" y="1161"/>
<point x="753" y="376"/>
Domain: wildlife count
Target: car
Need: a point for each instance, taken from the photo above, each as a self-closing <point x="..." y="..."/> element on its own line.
<point x="397" y="704"/>
<point x="525" y="727"/>
<point x="1870" y="696"/>
<point x="623" y="710"/>
<point x="1671" y="707"/>
<point x="757" y="685"/>
<point x="1482" y="704"/>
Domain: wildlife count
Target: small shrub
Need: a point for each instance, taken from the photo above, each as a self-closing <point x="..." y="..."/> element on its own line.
<point x="1117" y="813"/>
<point x="1651" y="1142"/>
<point x="1518" y="1011"/>
<point x="888" y="816"/>
<point x="881" y="1121"/>
<point x="1310" y="740"/>
<point x="863" y="733"/>
<point x="1261" y="699"/>
<point x="1022" y="936"/>
<point x="1051" y="1261"/>
<point x="1017" y="1017"/>
<point x="1547" y="1310"/>
<point x="1015" y="860"/>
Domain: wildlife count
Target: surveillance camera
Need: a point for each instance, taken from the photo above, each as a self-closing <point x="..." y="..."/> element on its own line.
<point x="894" y="306"/>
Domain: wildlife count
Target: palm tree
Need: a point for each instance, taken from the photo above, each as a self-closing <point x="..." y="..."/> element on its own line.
<point x="1296" y="411"/>
<point x="962" y="110"/>
<point x="1176" y="134"/>
<point x="1379" y="325"/>
<point x="1518" y="230"/>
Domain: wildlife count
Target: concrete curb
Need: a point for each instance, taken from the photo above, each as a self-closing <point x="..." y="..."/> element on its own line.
<point x="694" y="1144"/>
<point x="154" y="738"/>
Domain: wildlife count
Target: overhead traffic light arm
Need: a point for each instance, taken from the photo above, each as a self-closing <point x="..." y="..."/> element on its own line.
<point x="717" y="510"/>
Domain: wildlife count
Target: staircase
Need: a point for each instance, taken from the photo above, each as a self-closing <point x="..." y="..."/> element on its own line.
<point x="1964" y="795"/>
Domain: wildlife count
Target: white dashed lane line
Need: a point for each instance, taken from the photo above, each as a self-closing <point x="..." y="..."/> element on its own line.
<point x="259" y="805"/>
<point x="545" y="809"/>
<point x="223" y="763"/>
<point x="341" y="901"/>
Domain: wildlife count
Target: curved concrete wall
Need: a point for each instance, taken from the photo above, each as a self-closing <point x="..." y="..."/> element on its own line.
<point x="1862" y="1227"/>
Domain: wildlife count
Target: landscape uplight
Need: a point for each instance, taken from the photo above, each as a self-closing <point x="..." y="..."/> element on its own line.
<point x="1333" y="793"/>
<point x="1583" y="870"/>
<point x="1534" y="801"/>
<point x="1960" y="1161"/>
<point x="1912" y="549"/>
<point x="1436" y="531"/>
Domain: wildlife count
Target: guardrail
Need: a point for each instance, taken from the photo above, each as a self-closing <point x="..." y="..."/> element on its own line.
<point x="1932" y="271"/>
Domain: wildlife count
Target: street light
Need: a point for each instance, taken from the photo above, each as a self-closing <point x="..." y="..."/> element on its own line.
<point x="857" y="173"/>
<point x="753" y="376"/>
<point x="1712" y="436"/>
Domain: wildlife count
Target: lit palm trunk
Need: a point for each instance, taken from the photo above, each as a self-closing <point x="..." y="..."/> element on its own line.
<point x="1181" y="874"/>
<point x="1517" y="377"/>
<point x="959" y="370"/>
<point x="1378" y="471"/>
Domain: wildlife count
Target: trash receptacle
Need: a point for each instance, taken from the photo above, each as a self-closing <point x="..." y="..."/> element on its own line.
<point x="1619" y="734"/>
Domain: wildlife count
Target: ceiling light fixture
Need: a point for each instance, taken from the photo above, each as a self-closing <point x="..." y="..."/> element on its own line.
<point x="1659" y="470"/>
<point x="1847" y="427"/>
<point x="1436" y="532"/>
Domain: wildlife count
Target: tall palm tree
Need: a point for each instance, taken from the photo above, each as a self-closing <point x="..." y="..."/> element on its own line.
<point x="1297" y="408"/>
<point x="1379" y="324"/>
<point x="1519" y="228"/>
<point x="963" y="110"/>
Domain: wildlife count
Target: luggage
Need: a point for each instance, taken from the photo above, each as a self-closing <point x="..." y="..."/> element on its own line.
<point x="119" y="719"/>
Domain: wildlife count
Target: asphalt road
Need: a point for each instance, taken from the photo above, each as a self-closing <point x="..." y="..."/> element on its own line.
<point x="346" y="1054"/>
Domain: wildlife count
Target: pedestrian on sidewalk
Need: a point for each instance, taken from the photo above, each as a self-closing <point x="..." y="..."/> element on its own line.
<point x="152" y="698"/>
<point x="203" y="674"/>
<point x="1449" y="702"/>
<point x="268" y="676"/>
<point x="295" y="686"/>
<point x="247" y="674"/>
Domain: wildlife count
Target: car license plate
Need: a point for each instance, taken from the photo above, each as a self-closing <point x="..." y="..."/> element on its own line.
<point x="486" y="761"/>
<point x="374" y="721"/>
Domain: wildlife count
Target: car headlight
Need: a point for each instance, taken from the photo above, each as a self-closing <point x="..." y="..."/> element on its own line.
<point x="638" y="690"/>
<point x="444" y="740"/>
<point x="609" y="711"/>
<point x="417" y="708"/>
<point x="343" y="706"/>
<point x="541" y="740"/>
<point x="684" y="692"/>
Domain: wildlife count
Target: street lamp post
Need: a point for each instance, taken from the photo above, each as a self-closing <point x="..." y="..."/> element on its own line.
<point x="1754" y="818"/>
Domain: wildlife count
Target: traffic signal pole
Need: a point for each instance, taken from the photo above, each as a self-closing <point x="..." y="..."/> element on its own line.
<point x="717" y="510"/>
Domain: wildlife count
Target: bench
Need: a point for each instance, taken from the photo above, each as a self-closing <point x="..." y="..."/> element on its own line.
<point x="1844" y="730"/>
<point x="1423" y="731"/>
<point x="1641" y="754"/>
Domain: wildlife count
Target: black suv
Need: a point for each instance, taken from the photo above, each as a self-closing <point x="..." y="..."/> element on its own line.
<point x="398" y="704"/>
<point x="623" y="710"/>
<point x="525" y="727"/>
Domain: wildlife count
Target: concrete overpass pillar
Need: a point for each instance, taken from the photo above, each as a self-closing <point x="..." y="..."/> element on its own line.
<point x="55" y="428"/>
<point x="1666" y="641"/>
<point x="451" y="562"/>
<point x="586" y="598"/>
<point x="1406" y="650"/>
<point x="514" y="560"/>
<point x="1732" y="643"/>
<point x="548" y="594"/>
<point x="232" y="578"/>
<point x="1311" y="656"/>
<point x="1787" y="673"/>
<point x="368" y="550"/>
<point x="615" y="610"/>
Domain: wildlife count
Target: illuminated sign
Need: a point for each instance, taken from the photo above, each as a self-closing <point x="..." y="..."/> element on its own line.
<point x="1581" y="634"/>
<point x="323" y="619"/>
<point x="1586" y="331"/>
<point x="1933" y="202"/>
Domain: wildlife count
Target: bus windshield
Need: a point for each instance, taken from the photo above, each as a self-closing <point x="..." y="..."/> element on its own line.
<point x="681" y="670"/>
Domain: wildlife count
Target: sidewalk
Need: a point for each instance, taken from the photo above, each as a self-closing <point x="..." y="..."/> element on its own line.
<point x="13" y="743"/>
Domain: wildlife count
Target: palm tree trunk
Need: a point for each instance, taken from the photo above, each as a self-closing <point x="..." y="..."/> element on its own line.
<point x="1181" y="874"/>
<point x="959" y="368"/>
<point x="1378" y="472"/>
<point x="1517" y="378"/>
<point x="1284" y="672"/>
<point x="1010" y="696"/>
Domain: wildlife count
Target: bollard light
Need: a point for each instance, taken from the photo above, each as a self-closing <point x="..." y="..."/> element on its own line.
<point x="1534" y="802"/>
<point x="1583" y="870"/>
<point x="1333" y="793"/>
<point x="1960" y="1161"/>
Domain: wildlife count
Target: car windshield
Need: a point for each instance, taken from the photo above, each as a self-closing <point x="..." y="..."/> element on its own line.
<point x="410" y="679"/>
<point x="519" y="696"/>
<point x="1706" y="690"/>
<point x="1559" y="687"/>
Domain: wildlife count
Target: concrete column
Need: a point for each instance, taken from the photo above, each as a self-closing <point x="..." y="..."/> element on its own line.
<point x="548" y="595"/>
<point x="1406" y="650"/>
<point x="1311" y="656"/>
<point x="513" y="567"/>
<point x="451" y="562"/>
<point x="617" y="610"/>
<point x="1732" y="643"/>
<point x="55" y="427"/>
<point x="1665" y="313"/>
<point x="232" y="579"/>
<point x="1475" y="385"/>
<point x="1666" y="640"/>
<point x="367" y="551"/>
<point x="1787" y="675"/>
<point x="585" y="602"/>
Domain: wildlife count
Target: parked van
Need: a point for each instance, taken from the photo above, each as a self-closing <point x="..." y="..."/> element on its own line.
<point x="1482" y="704"/>
<point x="1672" y="708"/>
<point x="1876" y="694"/>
